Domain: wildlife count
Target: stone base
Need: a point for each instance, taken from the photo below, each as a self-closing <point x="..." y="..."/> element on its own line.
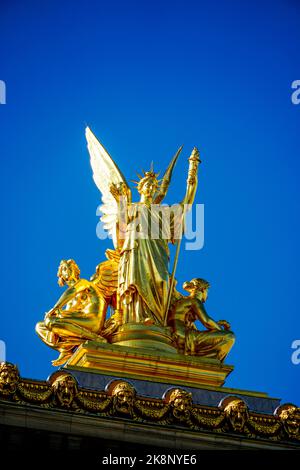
<point x="154" y="366"/>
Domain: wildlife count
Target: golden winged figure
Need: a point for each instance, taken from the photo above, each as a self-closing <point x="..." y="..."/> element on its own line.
<point x="143" y="274"/>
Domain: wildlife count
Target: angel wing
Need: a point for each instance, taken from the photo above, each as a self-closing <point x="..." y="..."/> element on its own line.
<point x="105" y="173"/>
<point x="159" y="196"/>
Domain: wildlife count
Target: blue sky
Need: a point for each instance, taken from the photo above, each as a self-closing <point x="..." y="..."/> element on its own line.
<point x="148" y="77"/>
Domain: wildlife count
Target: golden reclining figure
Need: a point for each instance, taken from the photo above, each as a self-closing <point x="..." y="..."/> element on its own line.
<point x="80" y="313"/>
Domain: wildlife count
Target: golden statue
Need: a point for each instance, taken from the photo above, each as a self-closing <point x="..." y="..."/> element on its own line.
<point x="144" y="260"/>
<point x="127" y="301"/>
<point x="80" y="312"/>
<point x="216" y="341"/>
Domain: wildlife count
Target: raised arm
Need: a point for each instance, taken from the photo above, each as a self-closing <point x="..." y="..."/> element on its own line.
<point x="122" y="198"/>
<point x="192" y="180"/>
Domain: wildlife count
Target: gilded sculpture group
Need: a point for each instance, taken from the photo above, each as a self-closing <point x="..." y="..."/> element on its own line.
<point x="134" y="287"/>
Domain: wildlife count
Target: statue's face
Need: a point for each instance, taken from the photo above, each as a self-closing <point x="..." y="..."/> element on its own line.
<point x="237" y="413"/>
<point x="65" y="389"/>
<point x="181" y="402"/>
<point x="188" y="286"/>
<point x="123" y="397"/>
<point x="192" y="287"/>
<point x="9" y="377"/>
<point x="149" y="188"/>
<point x="64" y="274"/>
<point x="290" y="419"/>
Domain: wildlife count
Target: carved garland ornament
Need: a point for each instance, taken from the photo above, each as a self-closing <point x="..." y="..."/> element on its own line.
<point x="176" y="407"/>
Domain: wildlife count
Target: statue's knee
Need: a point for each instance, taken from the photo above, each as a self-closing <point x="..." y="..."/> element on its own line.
<point x="232" y="335"/>
<point x="230" y="338"/>
<point x="39" y="327"/>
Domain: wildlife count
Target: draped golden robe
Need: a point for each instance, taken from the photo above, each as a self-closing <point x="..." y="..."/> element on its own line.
<point x="144" y="262"/>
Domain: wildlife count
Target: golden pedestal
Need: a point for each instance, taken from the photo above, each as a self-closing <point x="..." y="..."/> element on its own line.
<point x="146" y="364"/>
<point x="139" y="335"/>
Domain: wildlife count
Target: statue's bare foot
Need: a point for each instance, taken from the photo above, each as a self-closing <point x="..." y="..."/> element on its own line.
<point x="62" y="358"/>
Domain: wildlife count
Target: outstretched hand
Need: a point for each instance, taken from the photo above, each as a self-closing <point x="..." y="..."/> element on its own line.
<point x="118" y="190"/>
<point x="195" y="155"/>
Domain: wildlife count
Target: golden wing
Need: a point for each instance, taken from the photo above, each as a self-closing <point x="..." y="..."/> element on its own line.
<point x="105" y="173"/>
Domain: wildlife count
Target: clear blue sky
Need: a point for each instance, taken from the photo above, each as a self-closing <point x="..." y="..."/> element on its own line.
<point x="147" y="77"/>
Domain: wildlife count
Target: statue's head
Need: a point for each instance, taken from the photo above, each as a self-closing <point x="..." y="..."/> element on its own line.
<point x="68" y="271"/>
<point x="289" y="416"/>
<point x="197" y="286"/>
<point x="236" y="412"/>
<point x="123" y="396"/>
<point x="181" y="403"/>
<point x="9" y="378"/>
<point x="65" y="389"/>
<point x="148" y="184"/>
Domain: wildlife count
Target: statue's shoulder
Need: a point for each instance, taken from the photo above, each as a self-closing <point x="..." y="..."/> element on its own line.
<point x="82" y="284"/>
<point x="180" y="300"/>
<point x="187" y="300"/>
